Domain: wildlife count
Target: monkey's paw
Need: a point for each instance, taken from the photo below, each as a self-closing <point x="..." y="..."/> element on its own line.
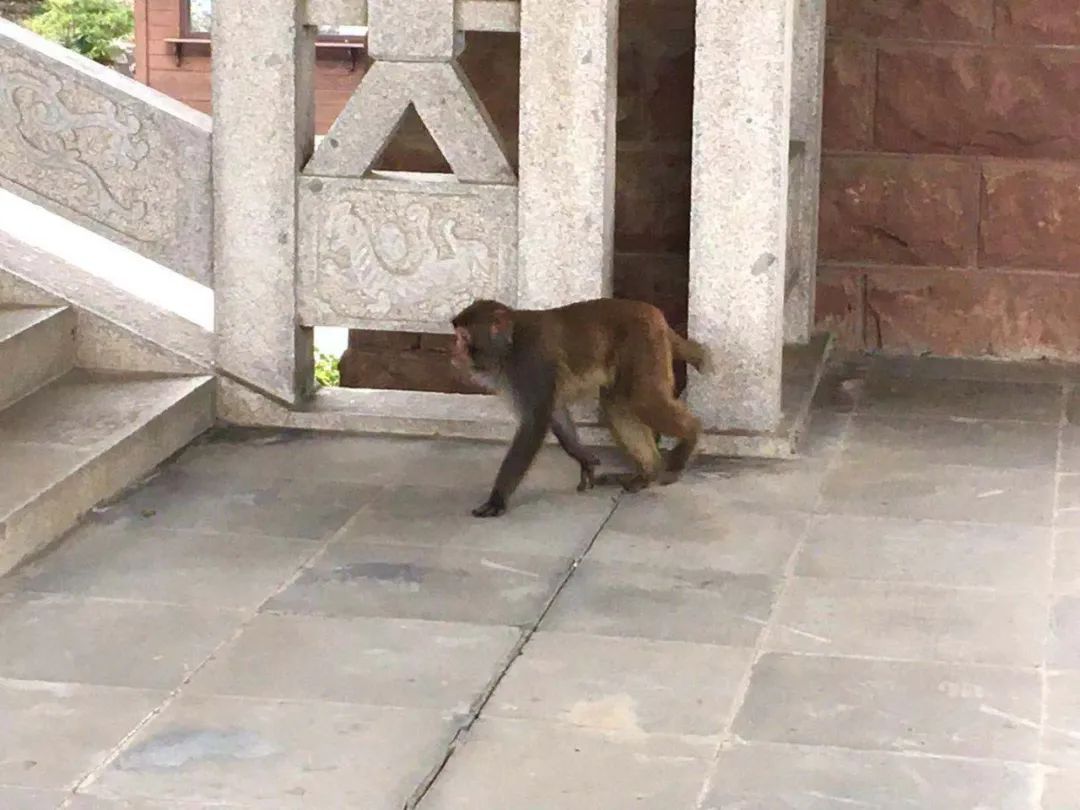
<point x="493" y="507"/>
<point x="588" y="478"/>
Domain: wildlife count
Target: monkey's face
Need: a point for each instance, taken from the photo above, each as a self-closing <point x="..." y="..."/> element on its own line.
<point x="460" y="354"/>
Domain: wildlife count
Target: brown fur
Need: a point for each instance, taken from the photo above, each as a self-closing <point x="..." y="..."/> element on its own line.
<point x="617" y="350"/>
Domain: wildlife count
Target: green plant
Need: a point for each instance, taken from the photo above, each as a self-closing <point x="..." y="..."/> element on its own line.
<point x="326" y="370"/>
<point x="89" y="27"/>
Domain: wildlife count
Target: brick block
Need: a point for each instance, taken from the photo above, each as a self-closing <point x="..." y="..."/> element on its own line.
<point x="652" y="199"/>
<point x="661" y="279"/>
<point x="954" y="20"/>
<point x="1031" y="216"/>
<point x="848" y="107"/>
<point x="839" y="305"/>
<point x="894" y="210"/>
<point x="1039" y="22"/>
<point x="948" y="99"/>
<point x="961" y="313"/>
<point x="406" y="370"/>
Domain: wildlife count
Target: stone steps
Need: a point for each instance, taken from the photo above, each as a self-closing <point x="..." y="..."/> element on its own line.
<point x="71" y="437"/>
<point x="37" y="344"/>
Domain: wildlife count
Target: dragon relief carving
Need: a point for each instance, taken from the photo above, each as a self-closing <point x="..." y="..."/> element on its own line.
<point x="83" y="159"/>
<point x="413" y="262"/>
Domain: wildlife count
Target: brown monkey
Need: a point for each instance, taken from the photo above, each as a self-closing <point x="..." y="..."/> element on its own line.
<point x="621" y="351"/>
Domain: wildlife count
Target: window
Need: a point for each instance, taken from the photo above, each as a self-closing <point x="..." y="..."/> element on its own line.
<point x="197" y="21"/>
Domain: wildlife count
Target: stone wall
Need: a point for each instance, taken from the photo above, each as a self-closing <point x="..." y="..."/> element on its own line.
<point x="949" y="207"/>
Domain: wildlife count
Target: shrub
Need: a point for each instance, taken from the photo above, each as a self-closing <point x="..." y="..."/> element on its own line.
<point x="326" y="370"/>
<point x="89" y="27"/>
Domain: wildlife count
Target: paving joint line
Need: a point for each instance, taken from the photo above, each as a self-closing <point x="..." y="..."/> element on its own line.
<point x="766" y="633"/>
<point x="478" y="706"/>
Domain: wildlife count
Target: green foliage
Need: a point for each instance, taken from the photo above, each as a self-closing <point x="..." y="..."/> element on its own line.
<point x="326" y="370"/>
<point x="89" y="27"/>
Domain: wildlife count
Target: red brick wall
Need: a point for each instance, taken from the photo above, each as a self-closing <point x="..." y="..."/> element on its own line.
<point x="951" y="182"/>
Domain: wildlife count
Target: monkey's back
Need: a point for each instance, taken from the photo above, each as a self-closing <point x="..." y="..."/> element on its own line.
<point x="605" y="343"/>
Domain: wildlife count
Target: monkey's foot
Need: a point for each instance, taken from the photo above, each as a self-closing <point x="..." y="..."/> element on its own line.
<point x="492" y="507"/>
<point x="588" y="479"/>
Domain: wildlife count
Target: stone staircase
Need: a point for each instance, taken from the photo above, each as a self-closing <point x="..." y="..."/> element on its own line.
<point x="71" y="437"/>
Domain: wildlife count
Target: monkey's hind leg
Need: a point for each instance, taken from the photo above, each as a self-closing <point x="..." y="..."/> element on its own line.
<point x="562" y="425"/>
<point x="638" y="441"/>
<point x="671" y="417"/>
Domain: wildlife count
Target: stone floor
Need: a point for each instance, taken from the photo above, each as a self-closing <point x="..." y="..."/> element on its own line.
<point x="286" y="621"/>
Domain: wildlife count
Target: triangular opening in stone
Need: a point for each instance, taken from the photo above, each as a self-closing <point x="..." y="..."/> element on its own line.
<point x="412" y="148"/>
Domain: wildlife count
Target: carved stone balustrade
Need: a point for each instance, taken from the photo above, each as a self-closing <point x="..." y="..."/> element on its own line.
<point x="105" y="151"/>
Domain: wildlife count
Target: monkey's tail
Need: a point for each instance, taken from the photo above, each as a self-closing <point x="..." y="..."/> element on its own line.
<point x="690" y="351"/>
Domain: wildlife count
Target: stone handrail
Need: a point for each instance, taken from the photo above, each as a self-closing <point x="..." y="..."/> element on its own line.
<point x="106" y="152"/>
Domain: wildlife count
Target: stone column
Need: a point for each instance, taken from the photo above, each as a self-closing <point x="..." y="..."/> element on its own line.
<point x="807" y="84"/>
<point x="738" y="224"/>
<point x="569" y="65"/>
<point x="263" y="97"/>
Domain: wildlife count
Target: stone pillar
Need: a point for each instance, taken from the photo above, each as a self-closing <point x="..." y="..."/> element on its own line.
<point x="807" y="84"/>
<point x="569" y="65"/>
<point x="263" y="97"/>
<point x="738" y="223"/>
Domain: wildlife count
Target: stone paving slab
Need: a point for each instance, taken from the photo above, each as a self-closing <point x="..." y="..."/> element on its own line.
<point x="385" y="662"/>
<point x="83" y="802"/>
<point x="440" y="584"/>
<point x="912" y="622"/>
<point x="561" y="525"/>
<point x="1070" y="448"/>
<point x="295" y="508"/>
<point x="1008" y="558"/>
<point x="279" y="754"/>
<point x="191" y="568"/>
<point x="261" y="455"/>
<point x="1068" y="500"/>
<point x="794" y="485"/>
<point x="108" y="643"/>
<point x="1061" y="791"/>
<point x="864" y="486"/>
<point x="913" y="442"/>
<point x="1061" y="739"/>
<point x="52" y="734"/>
<point x="628" y="685"/>
<point x="647" y="602"/>
<point x="968" y="399"/>
<point x="944" y="709"/>
<point x="538" y="766"/>
<point x="780" y="777"/>
<point x="682" y="529"/>
<point x="1064" y="643"/>
<point x="13" y="798"/>
<point x="1067" y="561"/>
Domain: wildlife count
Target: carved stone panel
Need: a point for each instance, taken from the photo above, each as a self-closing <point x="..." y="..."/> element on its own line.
<point x="105" y="152"/>
<point x="446" y="102"/>
<point x="403" y="255"/>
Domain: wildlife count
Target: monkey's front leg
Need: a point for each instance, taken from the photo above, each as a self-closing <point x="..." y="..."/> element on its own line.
<point x="526" y="444"/>
<point x="562" y="425"/>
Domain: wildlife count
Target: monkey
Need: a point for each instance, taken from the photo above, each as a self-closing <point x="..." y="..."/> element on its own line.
<point x="618" y="350"/>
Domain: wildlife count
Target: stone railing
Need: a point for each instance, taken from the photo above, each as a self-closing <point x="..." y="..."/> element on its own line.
<point x="105" y="152"/>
